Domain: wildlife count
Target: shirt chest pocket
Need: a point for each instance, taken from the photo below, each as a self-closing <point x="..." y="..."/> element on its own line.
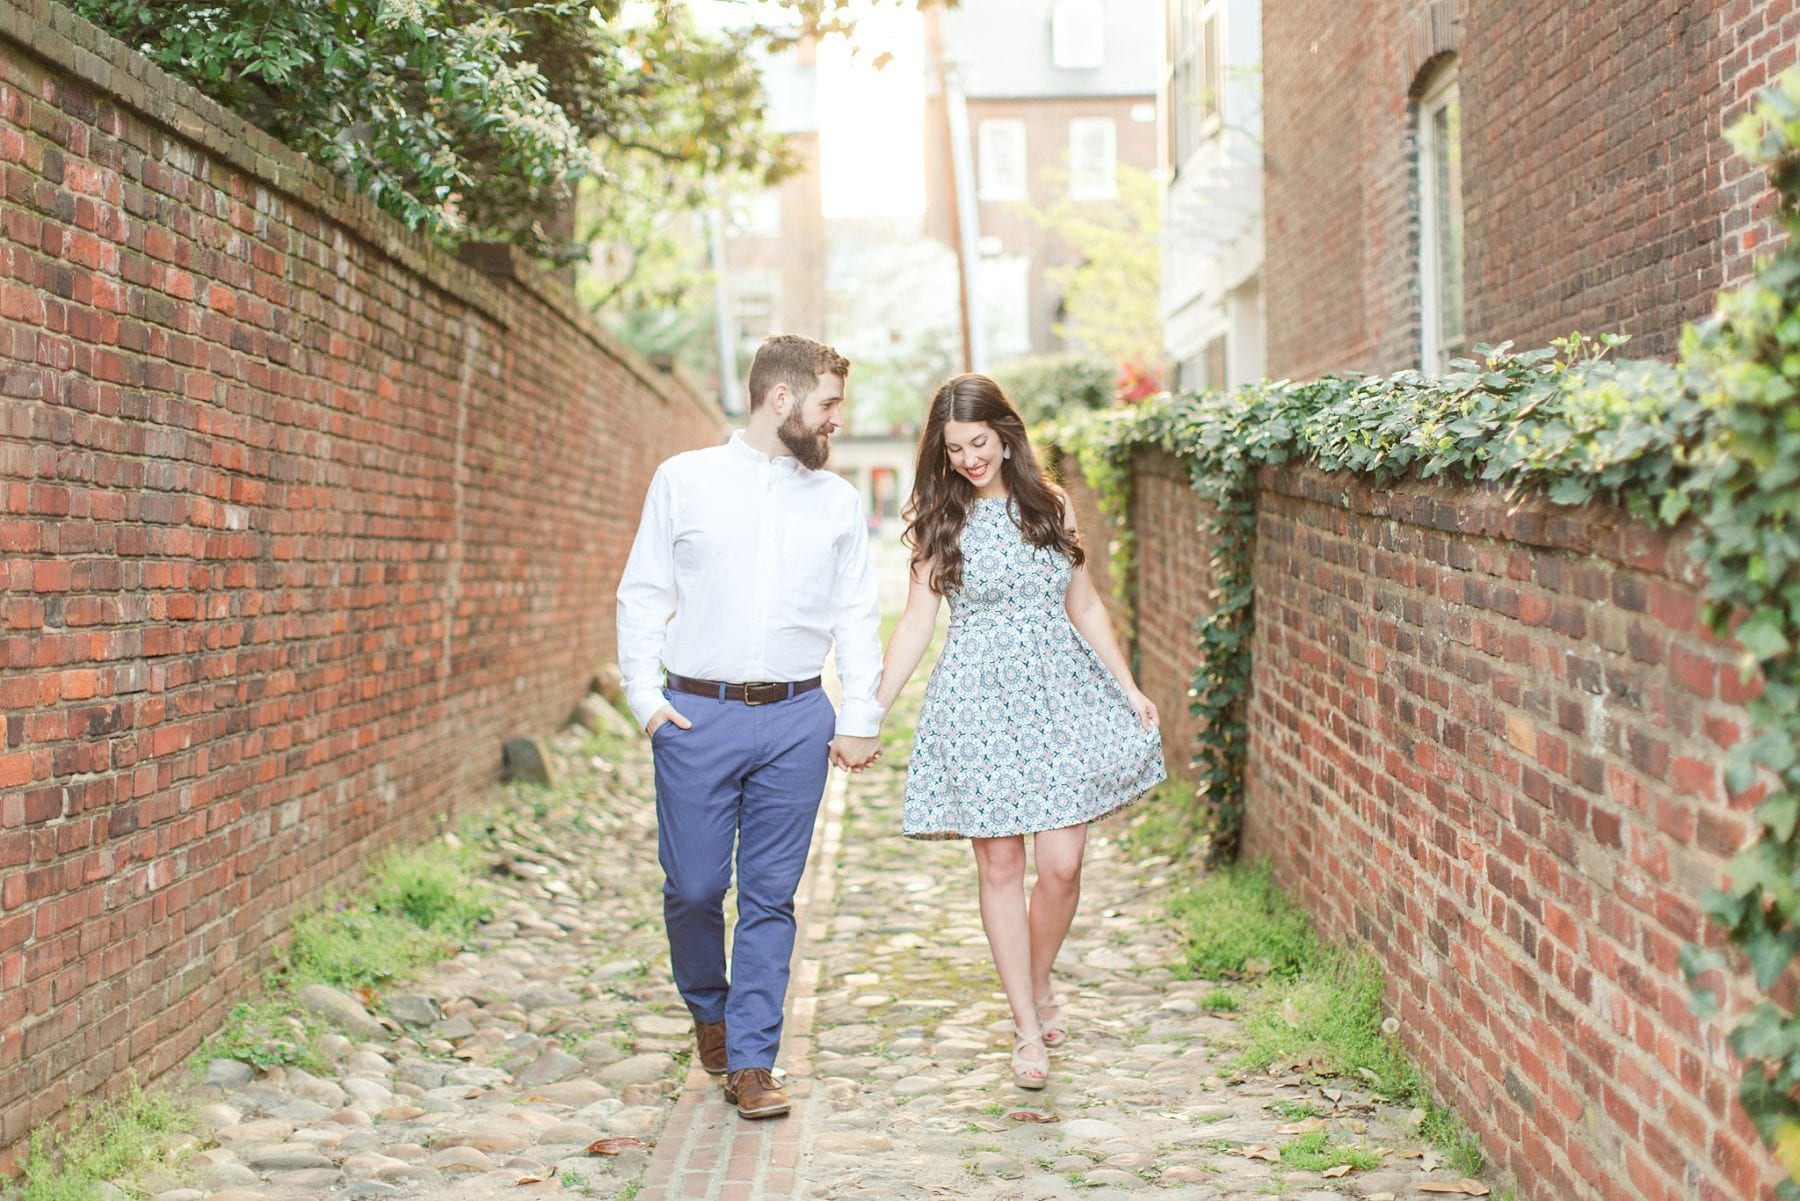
<point x="809" y="556"/>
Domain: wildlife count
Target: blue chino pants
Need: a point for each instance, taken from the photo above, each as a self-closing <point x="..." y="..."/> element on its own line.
<point x="753" y="775"/>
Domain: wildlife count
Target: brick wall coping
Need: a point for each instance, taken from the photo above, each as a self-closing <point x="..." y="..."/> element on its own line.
<point x="1482" y="508"/>
<point x="85" y="52"/>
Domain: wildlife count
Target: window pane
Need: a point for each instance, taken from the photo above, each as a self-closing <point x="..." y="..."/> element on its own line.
<point x="1093" y="156"/>
<point x="1447" y="144"/>
<point x="1001" y="166"/>
<point x="1078" y="34"/>
<point x="1197" y="76"/>
<point x="1005" y="290"/>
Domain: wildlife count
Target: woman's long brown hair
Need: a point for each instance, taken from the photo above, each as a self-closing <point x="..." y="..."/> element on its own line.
<point x="941" y="497"/>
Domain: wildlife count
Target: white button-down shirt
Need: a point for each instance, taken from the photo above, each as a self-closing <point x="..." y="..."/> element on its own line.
<point x="745" y="569"/>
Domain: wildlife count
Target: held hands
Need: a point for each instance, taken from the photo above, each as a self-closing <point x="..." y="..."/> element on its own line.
<point x="1144" y="707"/>
<point x="666" y="714"/>
<point x="854" y="754"/>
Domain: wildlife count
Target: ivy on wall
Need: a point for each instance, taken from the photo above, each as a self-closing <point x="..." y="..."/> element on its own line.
<point x="1712" y="441"/>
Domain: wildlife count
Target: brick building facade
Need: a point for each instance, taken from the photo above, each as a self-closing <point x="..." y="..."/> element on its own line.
<point x="1598" y="192"/>
<point x="1070" y="100"/>
<point x="299" y="519"/>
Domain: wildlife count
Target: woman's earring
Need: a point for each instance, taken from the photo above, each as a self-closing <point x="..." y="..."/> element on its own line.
<point x="1006" y="452"/>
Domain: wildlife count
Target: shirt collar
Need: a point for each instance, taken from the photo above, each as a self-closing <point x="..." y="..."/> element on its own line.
<point x="750" y="456"/>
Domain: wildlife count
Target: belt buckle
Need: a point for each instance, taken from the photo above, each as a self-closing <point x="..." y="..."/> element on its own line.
<point x="770" y="691"/>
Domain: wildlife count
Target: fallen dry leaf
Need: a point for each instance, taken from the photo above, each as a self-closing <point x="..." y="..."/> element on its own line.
<point x="531" y="1180"/>
<point x="1032" y="1115"/>
<point x="1379" y="1197"/>
<point x="613" y="1146"/>
<point x="1260" y="1151"/>
<point x="1412" y="1153"/>
<point x="1342" y="1169"/>
<point x="1462" y="1188"/>
<point x="365" y="995"/>
<point x="1306" y="1127"/>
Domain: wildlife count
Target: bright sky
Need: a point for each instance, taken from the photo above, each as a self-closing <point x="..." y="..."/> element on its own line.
<point x="870" y="121"/>
<point x="870" y="118"/>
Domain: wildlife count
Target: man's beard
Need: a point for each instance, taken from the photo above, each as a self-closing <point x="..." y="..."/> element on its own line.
<point x="811" y="448"/>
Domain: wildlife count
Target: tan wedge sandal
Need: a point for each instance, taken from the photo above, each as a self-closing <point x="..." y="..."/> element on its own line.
<point x="1029" y="1073"/>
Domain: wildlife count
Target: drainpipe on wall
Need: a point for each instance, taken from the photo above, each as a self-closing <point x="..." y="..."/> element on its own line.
<point x="731" y="397"/>
<point x="964" y="219"/>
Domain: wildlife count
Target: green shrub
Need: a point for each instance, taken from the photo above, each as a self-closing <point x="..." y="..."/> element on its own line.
<point x="1051" y="385"/>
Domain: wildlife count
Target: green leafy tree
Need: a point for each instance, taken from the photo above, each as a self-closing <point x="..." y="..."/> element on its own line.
<point x="1112" y="297"/>
<point x="475" y="119"/>
<point x="1049" y="385"/>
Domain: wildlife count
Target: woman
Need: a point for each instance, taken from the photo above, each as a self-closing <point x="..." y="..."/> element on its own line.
<point x="1032" y="723"/>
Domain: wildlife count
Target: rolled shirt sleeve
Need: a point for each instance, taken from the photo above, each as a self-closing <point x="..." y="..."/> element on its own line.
<point x="646" y="602"/>
<point x="856" y="628"/>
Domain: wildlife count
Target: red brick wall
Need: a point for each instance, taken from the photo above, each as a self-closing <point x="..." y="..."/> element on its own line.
<point x="300" y="520"/>
<point x="1599" y="193"/>
<point x="1174" y="580"/>
<point x="1097" y="534"/>
<point x="1486" y="740"/>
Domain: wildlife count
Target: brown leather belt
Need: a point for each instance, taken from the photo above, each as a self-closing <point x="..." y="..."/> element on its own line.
<point x="751" y="694"/>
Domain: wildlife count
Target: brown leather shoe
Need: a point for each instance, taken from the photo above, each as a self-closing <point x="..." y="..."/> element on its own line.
<point x="711" y="1037"/>
<point x="754" y="1093"/>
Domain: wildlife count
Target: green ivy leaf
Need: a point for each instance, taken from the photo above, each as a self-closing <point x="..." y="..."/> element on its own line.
<point x="1762" y="635"/>
<point x="1780" y="813"/>
<point x="1769" y="953"/>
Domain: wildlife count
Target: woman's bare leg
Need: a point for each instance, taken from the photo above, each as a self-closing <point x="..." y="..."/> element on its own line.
<point x="1053" y="900"/>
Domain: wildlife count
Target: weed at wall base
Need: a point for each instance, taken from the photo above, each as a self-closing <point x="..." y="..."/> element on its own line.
<point x="420" y="906"/>
<point x="111" y="1141"/>
<point x="1307" y="1003"/>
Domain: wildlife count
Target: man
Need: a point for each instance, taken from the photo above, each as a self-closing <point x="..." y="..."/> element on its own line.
<point x="749" y="562"/>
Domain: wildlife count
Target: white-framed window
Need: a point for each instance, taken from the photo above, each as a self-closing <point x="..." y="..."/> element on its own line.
<point x="1093" y="158"/>
<point x="1443" y="336"/>
<point x="1000" y="166"/>
<point x="1196" y="74"/>
<point x="1078" y="34"/>
<point x="1004" y="285"/>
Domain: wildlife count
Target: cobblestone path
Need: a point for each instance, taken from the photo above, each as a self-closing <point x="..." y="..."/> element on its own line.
<point x="495" y="1073"/>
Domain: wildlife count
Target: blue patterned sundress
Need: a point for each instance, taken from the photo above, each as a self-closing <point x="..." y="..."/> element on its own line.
<point x="1022" y="728"/>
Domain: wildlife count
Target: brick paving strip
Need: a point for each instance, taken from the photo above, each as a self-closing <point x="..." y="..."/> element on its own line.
<point x="708" y="1153"/>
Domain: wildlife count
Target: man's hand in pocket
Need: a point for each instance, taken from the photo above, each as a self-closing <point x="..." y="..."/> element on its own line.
<point x="666" y="714"/>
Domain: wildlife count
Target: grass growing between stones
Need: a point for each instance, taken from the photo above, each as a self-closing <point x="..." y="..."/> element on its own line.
<point x="111" y="1141"/>
<point x="267" y="1032"/>
<point x="1317" y="1152"/>
<point x="419" y="906"/>
<point x="1311" y="1006"/>
<point x="1237" y="922"/>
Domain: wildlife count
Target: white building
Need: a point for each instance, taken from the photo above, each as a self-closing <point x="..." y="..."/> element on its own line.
<point x="1211" y="118"/>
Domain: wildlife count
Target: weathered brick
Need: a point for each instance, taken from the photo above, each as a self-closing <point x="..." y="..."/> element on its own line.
<point x="1554" y="857"/>
<point x="241" y="451"/>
